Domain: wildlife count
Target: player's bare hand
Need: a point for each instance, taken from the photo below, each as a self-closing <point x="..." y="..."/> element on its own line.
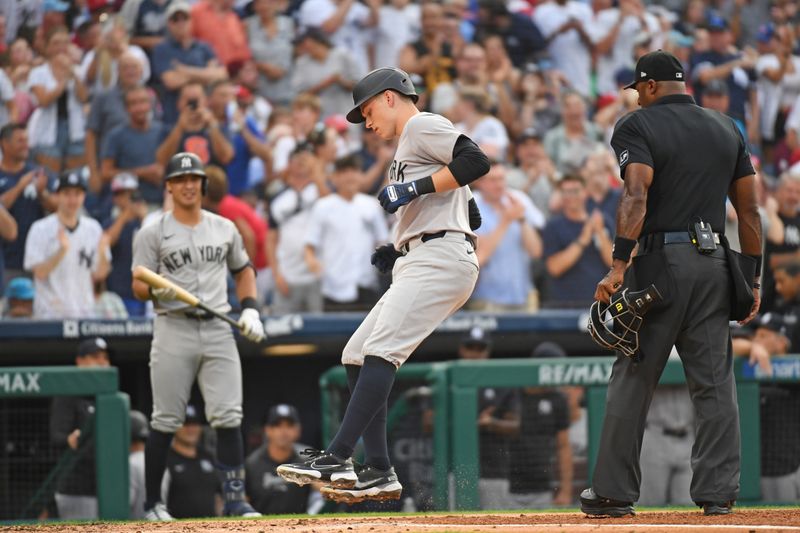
<point x="759" y="354"/>
<point x="485" y="417"/>
<point x="63" y="239"/>
<point x="754" y="309"/>
<point x="251" y="325"/>
<point x="164" y="294"/>
<point x="610" y="284"/>
<point x="73" y="439"/>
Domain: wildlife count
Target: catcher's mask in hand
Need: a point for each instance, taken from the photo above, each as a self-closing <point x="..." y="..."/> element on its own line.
<point x="615" y="325"/>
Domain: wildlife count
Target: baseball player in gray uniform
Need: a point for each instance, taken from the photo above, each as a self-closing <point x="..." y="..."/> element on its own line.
<point x="434" y="270"/>
<point x="195" y="249"/>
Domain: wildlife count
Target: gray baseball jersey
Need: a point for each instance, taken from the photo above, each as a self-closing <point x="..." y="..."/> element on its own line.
<point x="425" y="146"/>
<point x="195" y="258"/>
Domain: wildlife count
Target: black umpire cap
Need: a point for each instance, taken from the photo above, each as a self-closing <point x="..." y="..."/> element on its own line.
<point x="657" y="66"/>
<point x="376" y="82"/>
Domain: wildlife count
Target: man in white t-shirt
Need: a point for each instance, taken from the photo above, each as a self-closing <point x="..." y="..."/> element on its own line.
<point x="67" y="253"/>
<point x="349" y="23"/>
<point x="564" y="25"/>
<point x="297" y="288"/>
<point x="613" y="31"/>
<point x="343" y="231"/>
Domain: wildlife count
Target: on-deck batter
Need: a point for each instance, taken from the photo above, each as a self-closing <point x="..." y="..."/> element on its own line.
<point x="195" y="249"/>
<point x="434" y="270"/>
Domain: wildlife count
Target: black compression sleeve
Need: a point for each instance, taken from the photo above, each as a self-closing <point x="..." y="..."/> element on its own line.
<point x="474" y="215"/>
<point x="469" y="162"/>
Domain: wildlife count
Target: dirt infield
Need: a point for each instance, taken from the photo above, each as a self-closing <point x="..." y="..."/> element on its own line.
<point x="743" y="520"/>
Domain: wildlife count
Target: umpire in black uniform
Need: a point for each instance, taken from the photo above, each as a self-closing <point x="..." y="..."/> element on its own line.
<point x="679" y="162"/>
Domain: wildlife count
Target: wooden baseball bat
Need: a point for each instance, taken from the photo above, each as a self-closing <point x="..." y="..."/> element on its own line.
<point x="156" y="281"/>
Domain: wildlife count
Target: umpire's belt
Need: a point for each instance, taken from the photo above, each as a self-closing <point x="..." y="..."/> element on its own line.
<point x="425" y="237"/>
<point x="654" y="241"/>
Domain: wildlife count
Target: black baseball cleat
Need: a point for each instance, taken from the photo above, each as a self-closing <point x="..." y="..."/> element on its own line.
<point x="594" y="505"/>
<point x="239" y="508"/>
<point x="717" y="508"/>
<point x="372" y="484"/>
<point x="320" y="466"/>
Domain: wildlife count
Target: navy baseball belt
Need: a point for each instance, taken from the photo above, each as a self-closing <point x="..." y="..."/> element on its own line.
<point x="194" y="315"/>
<point x="425" y="237"/>
<point x="654" y="241"/>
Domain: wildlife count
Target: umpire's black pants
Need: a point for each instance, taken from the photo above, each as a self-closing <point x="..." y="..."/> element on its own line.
<point x="695" y="320"/>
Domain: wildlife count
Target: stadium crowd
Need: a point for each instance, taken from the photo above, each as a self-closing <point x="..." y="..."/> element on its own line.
<point x="97" y="95"/>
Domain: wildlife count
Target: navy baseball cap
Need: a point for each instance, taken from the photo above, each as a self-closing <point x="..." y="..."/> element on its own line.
<point x="775" y="322"/>
<point x="193" y="415"/>
<point x="282" y="411"/>
<point x="715" y="23"/>
<point x="765" y="33"/>
<point x="477" y="337"/>
<point x="20" y="289"/>
<point x="71" y="179"/>
<point x="717" y="87"/>
<point x="93" y="345"/>
<point x="657" y="66"/>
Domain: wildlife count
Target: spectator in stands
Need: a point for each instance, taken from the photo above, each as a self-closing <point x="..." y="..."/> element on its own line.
<point x="306" y="112"/>
<point x="787" y="288"/>
<point x="347" y="23"/>
<point x="324" y="70"/>
<point x="498" y="422"/>
<point x="71" y="431"/>
<point x="126" y="219"/>
<point x="252" y="228"/>
<point x="132" y="146"/>
<point x="614" y="31"/>
<point x="535" y="173"/>
<point x="24" y="192"/>
<point x="509" y="239"/>
<point x="8" y="234"/>
<point x="431" y="57"/>
<point x="787" y="195"/>
<point x="521" y="37"/>
<point x="66" y="252"/>
<point x="376" y="155"/>
<point x="723" y="62"/>
<point x="18" y="68"/>
<point x="145" y="22"/>
<point x="577" y="247"/>
<point x="180" y="60"/>
<point x="575" y="138"/>
<point x="268" y="492"/>
<point x="297" y="288"/>
<point x="599" y="171"/>
<point x="8" y="103"/>
<point x="716" y="96"/>
<point x="343" y="230"/>
<point x="398" y="26"/>
<point x="474" y="119"/>
<point x="565" y="26"/>
<point x="270" y="35"/>
<point x="19" y="298"/>
<point x="100" y="67"/>
<point x="541" y="450"/>
<point x="140" y="429"/>
<point x="191" y="487"/>
<point x="197" y="130"/>
<point x="471" y="71"/>
<point x="216" y="23"/>
<point x="243" y="133"/>
<point x="539" y="90"/>
<point x="58" y="126"/>
<point x="106" y="112"/>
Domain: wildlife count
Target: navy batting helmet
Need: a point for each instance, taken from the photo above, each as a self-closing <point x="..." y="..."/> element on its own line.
<point x="184" y="163"/>
<point x="376" y="82"/>
<point x="615" y="325"/>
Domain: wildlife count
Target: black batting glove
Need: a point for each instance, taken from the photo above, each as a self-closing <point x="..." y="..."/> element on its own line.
<point x="383" y="258"/>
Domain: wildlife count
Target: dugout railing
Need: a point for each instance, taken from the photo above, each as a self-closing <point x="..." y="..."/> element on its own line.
<point x="454" y="393"/>
<point x="111" y="422"/>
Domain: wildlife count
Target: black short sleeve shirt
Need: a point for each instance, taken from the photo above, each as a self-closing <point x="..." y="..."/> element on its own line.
<point x="695" y="154"/>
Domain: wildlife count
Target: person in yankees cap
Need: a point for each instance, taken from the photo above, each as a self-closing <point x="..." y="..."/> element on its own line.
<point x="434" y="270"/>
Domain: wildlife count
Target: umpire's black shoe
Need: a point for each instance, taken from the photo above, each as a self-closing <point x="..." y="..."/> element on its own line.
<point x="372" y="484"/>
<point x="595" y="505"/>
<point x="717" y="508"/>
<point x="320" y="466"/>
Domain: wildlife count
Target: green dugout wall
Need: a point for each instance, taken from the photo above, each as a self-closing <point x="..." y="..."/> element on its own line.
<point x="454" y="388"/>
<point x="112" y="421"/>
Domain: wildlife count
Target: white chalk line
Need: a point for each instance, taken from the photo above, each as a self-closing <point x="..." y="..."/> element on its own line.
<point x="593" y="526"/>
